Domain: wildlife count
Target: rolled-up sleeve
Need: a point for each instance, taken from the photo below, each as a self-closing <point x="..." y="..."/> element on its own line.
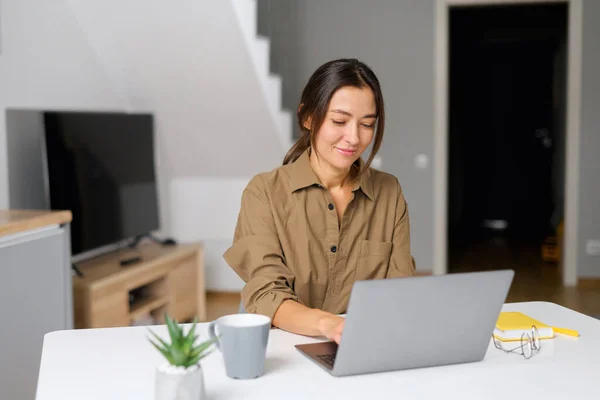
<point x="402" y="263"/>
<point x="256" y="254"/>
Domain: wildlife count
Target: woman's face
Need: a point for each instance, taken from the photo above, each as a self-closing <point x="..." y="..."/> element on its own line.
<point x="347" y="129"/>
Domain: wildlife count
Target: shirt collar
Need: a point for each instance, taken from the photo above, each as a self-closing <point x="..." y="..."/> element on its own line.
<point x="303" y="176"/>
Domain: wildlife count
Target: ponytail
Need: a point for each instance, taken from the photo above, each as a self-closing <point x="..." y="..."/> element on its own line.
<point x="297" y="149"/>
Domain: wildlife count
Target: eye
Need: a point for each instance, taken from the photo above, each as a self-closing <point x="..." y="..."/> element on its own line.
<point x="369" y="126"/>
<point x="338" y="122"/>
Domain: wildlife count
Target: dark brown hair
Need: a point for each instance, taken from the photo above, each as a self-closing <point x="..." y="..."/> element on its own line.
<point x="317" y="94"/>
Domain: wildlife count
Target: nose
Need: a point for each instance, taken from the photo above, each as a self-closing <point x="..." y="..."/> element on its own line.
<point x="352" y="134"/>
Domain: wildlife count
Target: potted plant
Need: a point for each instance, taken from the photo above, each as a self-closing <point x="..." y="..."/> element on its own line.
<point x="181" y="376"/>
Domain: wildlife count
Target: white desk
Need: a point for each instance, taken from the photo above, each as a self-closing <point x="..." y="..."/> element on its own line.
<point x="118" y="363"/>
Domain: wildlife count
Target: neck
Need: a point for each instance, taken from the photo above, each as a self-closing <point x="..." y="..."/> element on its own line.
<point x="330" y="177"/>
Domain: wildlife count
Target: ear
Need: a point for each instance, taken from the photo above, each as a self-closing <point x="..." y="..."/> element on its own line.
<point x="307" y="123"/>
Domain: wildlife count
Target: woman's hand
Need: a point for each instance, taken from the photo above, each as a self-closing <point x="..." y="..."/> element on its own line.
<point x="332" y="326"/>
<point x="297" y="318"/>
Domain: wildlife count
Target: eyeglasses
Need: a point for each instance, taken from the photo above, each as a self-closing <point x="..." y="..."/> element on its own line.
<point x="530" y="342"/>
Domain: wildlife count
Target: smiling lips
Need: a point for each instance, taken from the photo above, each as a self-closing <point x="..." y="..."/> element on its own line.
<point x="345" y="152"/>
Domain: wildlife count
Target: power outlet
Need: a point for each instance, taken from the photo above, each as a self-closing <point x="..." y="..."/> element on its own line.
<point x="592" y="247"/>
<point x="376" y="163"/>
<point x="421" y="161"/>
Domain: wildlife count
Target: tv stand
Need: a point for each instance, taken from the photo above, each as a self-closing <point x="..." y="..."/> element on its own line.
<point x="139" y="238"/>
<point x="161" y="279"/>
<point x="130" y="260"/>
<point x="76" y="270"/>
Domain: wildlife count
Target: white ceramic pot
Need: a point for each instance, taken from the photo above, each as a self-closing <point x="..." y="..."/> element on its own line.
<point x="178" y="383"/>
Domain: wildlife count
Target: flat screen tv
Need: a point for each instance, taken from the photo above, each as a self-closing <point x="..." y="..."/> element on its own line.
<point x="101" y="167"/>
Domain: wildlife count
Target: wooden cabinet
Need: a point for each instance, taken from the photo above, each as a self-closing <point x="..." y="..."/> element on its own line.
<point x="165" y="279"/>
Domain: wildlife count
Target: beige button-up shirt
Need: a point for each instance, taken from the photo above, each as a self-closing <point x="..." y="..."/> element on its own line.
<point x="288" y="243"/>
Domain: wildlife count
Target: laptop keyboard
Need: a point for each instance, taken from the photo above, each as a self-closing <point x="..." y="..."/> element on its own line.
<point x="327" y="359"/>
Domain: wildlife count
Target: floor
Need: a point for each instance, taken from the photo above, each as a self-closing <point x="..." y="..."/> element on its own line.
<point x="221" y="303"/>
<point x="534" y="279"/>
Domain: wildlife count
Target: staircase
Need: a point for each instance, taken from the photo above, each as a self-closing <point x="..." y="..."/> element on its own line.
<point x="259" y="50"/>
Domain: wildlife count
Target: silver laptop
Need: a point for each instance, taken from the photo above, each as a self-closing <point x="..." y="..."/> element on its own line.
<point x="403" y="323"/>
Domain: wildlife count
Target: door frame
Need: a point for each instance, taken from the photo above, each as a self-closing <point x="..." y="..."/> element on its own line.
<point x="568" y="263"/>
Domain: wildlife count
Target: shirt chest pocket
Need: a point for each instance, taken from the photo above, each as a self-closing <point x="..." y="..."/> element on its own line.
<point x="373" y="259"/>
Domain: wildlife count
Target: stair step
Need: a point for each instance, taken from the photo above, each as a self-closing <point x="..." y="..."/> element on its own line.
<point x="274" y="91"/>
<point x="248" y="13"/>
<point x="261" y="53"/>
<point x="286" y="119"/>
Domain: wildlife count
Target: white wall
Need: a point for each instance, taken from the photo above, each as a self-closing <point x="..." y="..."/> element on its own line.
<point x="588" y="266"/>
<point x="191" y="199"/>
<point x="24" y="149"/>
<point x="4" y="195"/>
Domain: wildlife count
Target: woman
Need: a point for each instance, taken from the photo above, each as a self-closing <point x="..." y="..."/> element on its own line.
<point x="309" y="229"/>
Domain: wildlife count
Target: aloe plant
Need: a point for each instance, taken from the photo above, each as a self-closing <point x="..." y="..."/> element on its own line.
<point x="183" y="350"/>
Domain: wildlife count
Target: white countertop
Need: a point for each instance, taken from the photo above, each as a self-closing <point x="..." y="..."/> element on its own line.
<point x="119" y="363"/>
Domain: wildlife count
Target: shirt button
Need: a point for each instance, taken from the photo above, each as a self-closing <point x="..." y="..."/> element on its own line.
<point x="330" y="206"/>
<point x="333" y="249"/>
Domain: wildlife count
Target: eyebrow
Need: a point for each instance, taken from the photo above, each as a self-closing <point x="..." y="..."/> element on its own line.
<point x="348" y="114"/>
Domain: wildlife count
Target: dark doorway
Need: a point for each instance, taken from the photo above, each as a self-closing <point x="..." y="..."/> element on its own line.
<point x="507" y="108"/>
